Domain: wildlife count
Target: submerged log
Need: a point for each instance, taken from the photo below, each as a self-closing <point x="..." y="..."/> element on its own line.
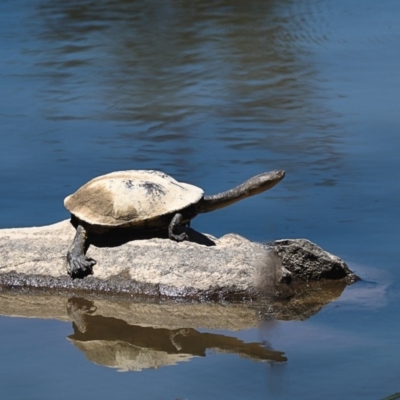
<point x="203" y="268"/>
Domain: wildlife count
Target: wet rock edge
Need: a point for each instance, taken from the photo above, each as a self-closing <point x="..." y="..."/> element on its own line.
<point x="118" y="286"/>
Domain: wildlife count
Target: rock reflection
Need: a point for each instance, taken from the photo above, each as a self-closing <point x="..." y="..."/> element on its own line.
<point x="134" y="334"/>
<point x="113" y="342"/>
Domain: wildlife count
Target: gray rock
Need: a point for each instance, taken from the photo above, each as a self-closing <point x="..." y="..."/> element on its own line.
<point x="306" y="261"/>
<point x="233" y="268"/>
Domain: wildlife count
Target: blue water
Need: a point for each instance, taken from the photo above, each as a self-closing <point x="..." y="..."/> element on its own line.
<point x="212" y="93"/>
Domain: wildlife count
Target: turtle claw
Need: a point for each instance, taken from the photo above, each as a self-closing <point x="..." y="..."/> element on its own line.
<point x="176" y="225"/>
<point x="80" y="266"/>
<point x="179" y="238"/>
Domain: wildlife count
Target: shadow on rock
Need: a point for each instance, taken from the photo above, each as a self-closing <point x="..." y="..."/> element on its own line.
<point x="119" y="236"/>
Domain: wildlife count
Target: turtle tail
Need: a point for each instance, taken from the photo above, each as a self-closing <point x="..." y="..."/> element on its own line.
<point x="255" y="185"/>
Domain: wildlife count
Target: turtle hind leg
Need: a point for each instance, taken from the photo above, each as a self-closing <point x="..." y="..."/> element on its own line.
<point x="175" y="229"/>
<point x="79" y="265"/>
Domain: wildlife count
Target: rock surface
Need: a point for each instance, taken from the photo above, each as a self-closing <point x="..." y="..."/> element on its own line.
<point x="114" y="325"/>
<point x="307" y="261"/>
<point x="232" y="269"/>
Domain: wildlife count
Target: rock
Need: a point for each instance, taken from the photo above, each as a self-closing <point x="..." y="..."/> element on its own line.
<point x="307" y="261"/>
<point x="114" y="325"/>
<point x="205" y="268"/>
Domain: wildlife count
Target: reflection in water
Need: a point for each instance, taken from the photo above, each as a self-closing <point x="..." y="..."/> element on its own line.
<point x="178" y="76"/>
<point x="115" y="343"/>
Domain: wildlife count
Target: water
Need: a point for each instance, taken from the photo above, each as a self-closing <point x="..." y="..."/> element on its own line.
<point x="212" y="93"/>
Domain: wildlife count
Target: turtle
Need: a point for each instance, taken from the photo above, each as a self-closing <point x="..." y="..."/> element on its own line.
<point x="144" y="201"/>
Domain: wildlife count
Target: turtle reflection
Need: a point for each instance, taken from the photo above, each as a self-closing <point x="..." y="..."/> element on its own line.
<point x="115" y="343"/>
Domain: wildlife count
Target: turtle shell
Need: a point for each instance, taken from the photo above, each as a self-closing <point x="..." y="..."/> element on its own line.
<point x="128" y="198"/>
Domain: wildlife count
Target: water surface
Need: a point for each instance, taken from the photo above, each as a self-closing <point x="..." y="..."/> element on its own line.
<point x="212" y="93"/>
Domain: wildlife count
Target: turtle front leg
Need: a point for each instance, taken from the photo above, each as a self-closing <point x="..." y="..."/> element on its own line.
<point x="174" y="226"/>
<point x="78" y="264"/>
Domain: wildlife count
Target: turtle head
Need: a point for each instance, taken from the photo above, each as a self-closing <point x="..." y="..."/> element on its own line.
<point x="259" y="183"/>
<point x="255" y="185"/>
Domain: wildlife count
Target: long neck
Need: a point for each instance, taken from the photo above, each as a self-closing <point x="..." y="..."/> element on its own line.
<point x="256" y="184"/>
